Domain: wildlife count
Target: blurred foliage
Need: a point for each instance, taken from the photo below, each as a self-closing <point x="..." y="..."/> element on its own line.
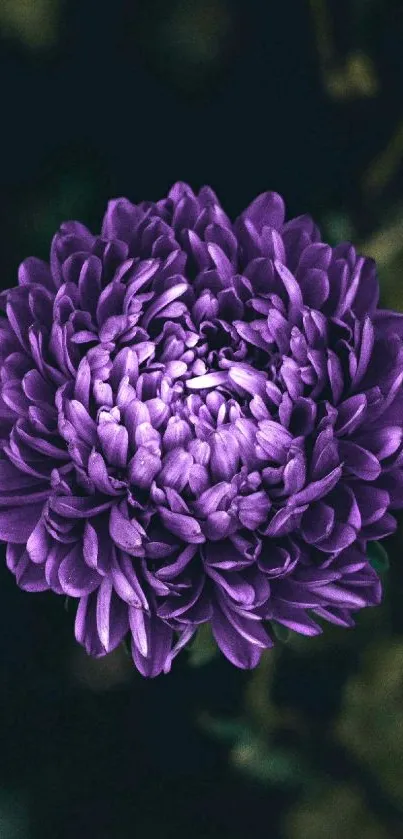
<point x="34" y="22"/>
<point x="14" y="823"/>
<point x="378" y="557"/>
<point x="386" y="164"/>
<point x="203" y="648"/>
<point x="344" y="78"/>
<point x="188" y="41"/>
<point x="371" y="719"/>
<point x="335" y="812"/>
<point x="197" y="31"/>
<point x="101" y="674"/>
<point x="258" y="759"/>
<point x="386" y="247"/>
<point x="313" y="738"/>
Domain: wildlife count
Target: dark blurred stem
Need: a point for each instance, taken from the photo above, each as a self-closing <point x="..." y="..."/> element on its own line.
<point x="386" y="164"/>
<point x="257" y="703"/>
<point x="324" y="38"/>
<point x="263" y="715"/>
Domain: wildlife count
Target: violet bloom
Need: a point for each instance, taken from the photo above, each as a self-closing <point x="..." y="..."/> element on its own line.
<point x="200" y="422"/>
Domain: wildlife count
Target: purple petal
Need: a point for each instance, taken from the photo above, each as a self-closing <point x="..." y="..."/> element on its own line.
<point x="143" y="467"/>
<point x="176" y="469"/>
<point x="284" y="521"/>
<point x="380" y="528"/>
<point x="111" y="616"/>
<point x="158" y="411"/>
<point x="317" y="522"/>
<point x="84" y="425"/>
<point x="164" y="300"/>
<point x="126" y="533"/>
<point x="30" y="577"/>
<point x="151" y="634"/>
<point x="198" y="479"/>
<point x="76" y="578"/>
<point x="267" y="209"/>
<point x="372" y="502"/>
<point x="97" y="547"/>
<point x="85" y="628"/>
<point x="135" y="414"/>
<point x="383" y="442"/>
<point x="185" y="527"/>
<point x="170" y="572"/>
<point x="247" y="380"/>
<point x="211" y="499"/>
<point x="34" y="270"/>
<point x="14" y="480"/>
<point x="317" y="489"/>
<point x="217" y="526"/>
<point x="340" y="596"/>
<point x="234" y="585"/>
<point x="359" y="461"/>
<point x="114" y="440"/>
<point x="224" y="458"/>
<point x="89" y="283"/>
<point x="291" y="286"/>
<point x="177" y="433"/>
<point x="17" y="528"/>
<point x="239" y="650"/>
<point x="207" y="381"/>
<point x="295" y="619"/>
<point x="274" y="439"/>
<point x="351" y="414"/>
<point x="325" y="456"/>
<point x="340" y="538"/>
<point x="71" y="507"/>
<point x="38" y="543"/>
<point x="83" y="383"/>
<point x="253" y="510"/>
<point x="252" y="336"/>
<point x="335" y="373"/>
<point x="98" y="472"/>
<point x="126" y="582"/>
<point x="125" y="364"/>
<point x="367" y="344"/>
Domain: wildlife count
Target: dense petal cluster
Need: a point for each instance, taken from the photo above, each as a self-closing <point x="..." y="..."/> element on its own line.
<point x="200" y="421"/>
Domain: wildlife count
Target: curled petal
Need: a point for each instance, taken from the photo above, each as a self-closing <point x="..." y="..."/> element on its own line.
<point x="200" y="422"/>
<point x="185" y="527"/>
<point x="126" y="533"/>
<point x="76" y="578"/>
<point x="240" y="650"/>
<point x="114" y="441"/>
<point x="151" y="643"/>
<point x="112" y="620"/>
<point x="143" y="467"/>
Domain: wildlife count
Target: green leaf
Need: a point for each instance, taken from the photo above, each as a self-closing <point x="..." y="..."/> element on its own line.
<point x="126" y="648"/>
<point x="204" y="648"/>
<point x="225" y="730"/>
<point x="378" y="557"/>
<point x="267" y="763"/>
<point x="281" y="632"/>
<point x="339" y="227"/>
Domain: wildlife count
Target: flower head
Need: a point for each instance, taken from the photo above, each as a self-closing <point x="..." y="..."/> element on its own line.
<point x="200" y="421"/>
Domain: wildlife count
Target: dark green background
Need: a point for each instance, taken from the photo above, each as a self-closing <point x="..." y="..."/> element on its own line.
<point x="123" y="98"/>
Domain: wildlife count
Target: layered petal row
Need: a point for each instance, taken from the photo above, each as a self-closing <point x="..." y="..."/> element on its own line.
<point x="200" y="421"/>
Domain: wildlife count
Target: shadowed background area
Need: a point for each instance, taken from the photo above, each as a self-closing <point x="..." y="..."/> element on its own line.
<point x="124" y="98"/>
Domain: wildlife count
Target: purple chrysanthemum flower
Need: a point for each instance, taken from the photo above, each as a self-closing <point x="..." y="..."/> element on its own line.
<point x="200" y="422"/>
